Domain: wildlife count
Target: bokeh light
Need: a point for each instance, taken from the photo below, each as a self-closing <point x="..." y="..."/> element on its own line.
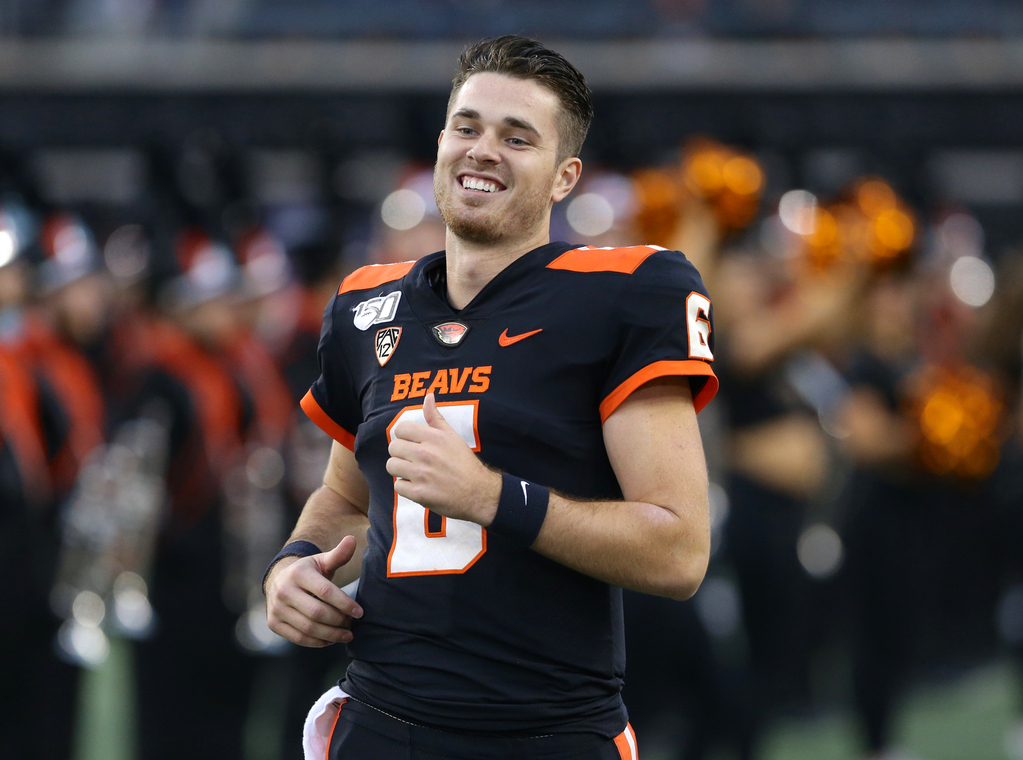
<point x="959" y="412"/>
<point x="8" y="247"/>
<point x="797" y="210"/>
<point x="719" y="606"/>
<point x="127" y="252"/>
<point x="820" y="551"/>
<point x="972" y="280"/>
<point x="590" y="214"/>
<point x="403" y="209"/>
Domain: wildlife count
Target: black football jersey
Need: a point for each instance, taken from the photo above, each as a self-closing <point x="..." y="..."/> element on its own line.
<point x="464" y="630"/>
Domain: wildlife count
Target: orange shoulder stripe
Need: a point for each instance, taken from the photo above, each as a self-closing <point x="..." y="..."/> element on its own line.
<point x="586" y="259"/>
<point x="312" y="408"/>
<point x="374" y="275"/>
<point x="662" y="369"/>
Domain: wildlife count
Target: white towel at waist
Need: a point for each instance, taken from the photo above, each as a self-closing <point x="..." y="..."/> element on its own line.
<point x="319" y="722"/>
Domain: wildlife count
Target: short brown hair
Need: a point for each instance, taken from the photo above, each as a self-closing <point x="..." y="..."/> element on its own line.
<point x="528" y="59"/>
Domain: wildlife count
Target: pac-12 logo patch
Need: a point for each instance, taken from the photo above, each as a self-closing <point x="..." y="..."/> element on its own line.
<point x="386" y="342"/>
<point x="377" y="310"/>
<point x="450" y="333"/>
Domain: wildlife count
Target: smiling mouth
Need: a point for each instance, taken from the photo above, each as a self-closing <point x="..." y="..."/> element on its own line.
<point x="479" y="185"/>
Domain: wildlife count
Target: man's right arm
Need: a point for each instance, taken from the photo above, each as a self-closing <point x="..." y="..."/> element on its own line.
<point x="303" y="601"/>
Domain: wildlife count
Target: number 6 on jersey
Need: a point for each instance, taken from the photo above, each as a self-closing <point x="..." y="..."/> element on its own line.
<point x="416" y="549"/>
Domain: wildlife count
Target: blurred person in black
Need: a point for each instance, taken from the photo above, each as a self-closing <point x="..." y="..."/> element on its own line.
<point x="64" y="334"/>
<point x="256" y="489"/>
<point x="193" y="680"/>
<point x="890" y="564"/>
<point x="25" y="633"/>
<point x="66" y="325"/>
<point x="26" y="507"/>
<point x="49" y="336"/>
<point x="921" y="529"/>
<point x="1002" y="342"/>
<point x="319" y="268"/>
<point x="773" y="314"/>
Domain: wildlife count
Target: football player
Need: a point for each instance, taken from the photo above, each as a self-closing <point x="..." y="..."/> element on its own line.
<point x="515" y="441"/>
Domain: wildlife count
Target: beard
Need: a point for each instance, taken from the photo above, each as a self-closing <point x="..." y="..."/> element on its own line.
<point x="489" y="228"/>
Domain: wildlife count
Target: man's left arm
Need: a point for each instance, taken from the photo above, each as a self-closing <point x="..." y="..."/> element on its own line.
<point x="657" y="540"/>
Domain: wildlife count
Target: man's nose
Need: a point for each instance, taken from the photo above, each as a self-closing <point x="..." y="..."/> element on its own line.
<point x="484" y="150"/>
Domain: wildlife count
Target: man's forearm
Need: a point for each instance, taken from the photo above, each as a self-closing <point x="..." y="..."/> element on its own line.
<point x="327" y="518"/>
<point x="634" y="545"/>
<point x="658" y="539"/>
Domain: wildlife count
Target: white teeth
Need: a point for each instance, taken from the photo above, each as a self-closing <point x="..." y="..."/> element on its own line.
<point x="471" y="183"/>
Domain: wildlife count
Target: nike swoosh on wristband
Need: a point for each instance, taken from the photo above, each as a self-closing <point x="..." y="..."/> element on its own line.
<point x="506" y="340"/>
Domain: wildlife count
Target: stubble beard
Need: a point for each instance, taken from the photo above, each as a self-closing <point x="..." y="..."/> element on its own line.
<point x="490" y="229"/>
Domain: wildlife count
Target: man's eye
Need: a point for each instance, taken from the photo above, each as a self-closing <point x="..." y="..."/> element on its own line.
<point x="517" y="141"/>
<point x="465" y="130"/>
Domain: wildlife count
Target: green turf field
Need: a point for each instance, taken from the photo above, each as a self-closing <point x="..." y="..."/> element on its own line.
<point x="963" y="720"/>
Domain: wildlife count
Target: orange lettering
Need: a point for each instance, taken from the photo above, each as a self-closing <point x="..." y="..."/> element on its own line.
<point x="418" y="384"/>
<point x="443" y="382"/>
<point x="456" y="383"/>
<point x="439" y="384"/>
<point x="481" y="380"/>
<point x="401" y="386"/>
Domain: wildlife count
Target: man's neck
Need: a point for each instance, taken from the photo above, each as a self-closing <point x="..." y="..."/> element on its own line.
<point x="469" y="267"/>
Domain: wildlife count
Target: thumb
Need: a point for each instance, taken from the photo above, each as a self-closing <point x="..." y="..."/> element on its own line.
<point x="329" y="562"/>
<point x="432" y="414"/>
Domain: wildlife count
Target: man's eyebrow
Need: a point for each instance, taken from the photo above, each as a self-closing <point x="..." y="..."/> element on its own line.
<point x="511" y="121"/>
<point x="466" y="113"/>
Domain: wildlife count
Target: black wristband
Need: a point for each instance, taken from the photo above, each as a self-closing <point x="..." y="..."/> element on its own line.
<point x="520" y="510"/>
<point x="294" y="549"/>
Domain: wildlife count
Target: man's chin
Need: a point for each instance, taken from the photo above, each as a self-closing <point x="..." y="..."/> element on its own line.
<point x="478" y="231"/>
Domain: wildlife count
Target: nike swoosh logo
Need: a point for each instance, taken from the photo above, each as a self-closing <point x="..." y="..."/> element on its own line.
<point x="506" y="340"/>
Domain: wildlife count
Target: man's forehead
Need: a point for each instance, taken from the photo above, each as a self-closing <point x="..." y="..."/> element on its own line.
<point x="500" y="97"/>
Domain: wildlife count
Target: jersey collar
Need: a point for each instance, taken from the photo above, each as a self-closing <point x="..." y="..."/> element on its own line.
<point x="430" y="303"/>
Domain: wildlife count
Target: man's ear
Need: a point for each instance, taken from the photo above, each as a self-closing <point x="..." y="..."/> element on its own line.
<point x="440" y="136"/>
<point x="566" y="178"/>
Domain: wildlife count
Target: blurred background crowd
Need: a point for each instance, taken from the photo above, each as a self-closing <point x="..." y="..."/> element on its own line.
<point x="183" y="184"/>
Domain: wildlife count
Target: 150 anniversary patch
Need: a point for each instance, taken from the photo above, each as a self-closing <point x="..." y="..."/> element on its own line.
<point x="376" y="310"/>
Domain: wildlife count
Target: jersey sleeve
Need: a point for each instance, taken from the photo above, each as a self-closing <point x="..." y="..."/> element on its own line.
<point x="665" y="323"/>
<point x="333" y="401"/>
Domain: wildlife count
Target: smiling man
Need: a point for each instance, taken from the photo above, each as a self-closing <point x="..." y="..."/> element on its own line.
<point x="516" y="440"/>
